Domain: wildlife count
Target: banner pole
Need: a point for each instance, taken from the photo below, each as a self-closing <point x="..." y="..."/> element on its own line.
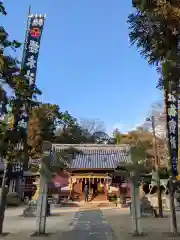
<point x="26" y="34"/>
<point x="173" y="219"/>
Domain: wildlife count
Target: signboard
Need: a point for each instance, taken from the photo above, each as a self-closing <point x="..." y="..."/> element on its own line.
<point x="172" y="127"/>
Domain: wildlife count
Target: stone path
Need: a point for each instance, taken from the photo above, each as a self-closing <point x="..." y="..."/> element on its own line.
<point x="89" y="225"/>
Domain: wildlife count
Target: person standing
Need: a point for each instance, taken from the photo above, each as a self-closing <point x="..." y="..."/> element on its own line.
<point x="86" y="193"/>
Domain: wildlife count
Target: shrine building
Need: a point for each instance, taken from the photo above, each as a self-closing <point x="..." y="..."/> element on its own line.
<point x="94" y="166"/>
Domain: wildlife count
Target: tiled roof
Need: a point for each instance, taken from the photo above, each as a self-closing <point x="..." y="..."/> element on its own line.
<point x="94" y="156"/>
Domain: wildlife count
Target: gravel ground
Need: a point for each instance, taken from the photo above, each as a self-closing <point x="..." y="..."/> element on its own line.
<point x="155" y="228"/>
<point x="23" y="228"/>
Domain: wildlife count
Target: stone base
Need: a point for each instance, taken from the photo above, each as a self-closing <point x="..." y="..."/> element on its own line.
<point x="29" y="211"/>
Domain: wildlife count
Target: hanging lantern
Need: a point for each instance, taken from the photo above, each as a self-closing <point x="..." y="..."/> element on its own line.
<point x="85" y="181"/>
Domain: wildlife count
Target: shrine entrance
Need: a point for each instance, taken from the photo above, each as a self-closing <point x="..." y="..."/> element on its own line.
<point x="97" y="185"/>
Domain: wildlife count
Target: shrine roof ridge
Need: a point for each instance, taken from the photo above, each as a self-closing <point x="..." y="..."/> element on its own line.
<point x="93" y="146"/>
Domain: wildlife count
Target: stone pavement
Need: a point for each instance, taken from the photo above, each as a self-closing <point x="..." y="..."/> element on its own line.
<point x="89" y="225"/>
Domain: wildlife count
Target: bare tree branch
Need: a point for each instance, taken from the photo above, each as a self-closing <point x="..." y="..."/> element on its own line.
<point x="92" y="125"/>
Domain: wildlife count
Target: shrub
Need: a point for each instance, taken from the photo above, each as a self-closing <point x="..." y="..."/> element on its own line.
<point x="13" y="199"/>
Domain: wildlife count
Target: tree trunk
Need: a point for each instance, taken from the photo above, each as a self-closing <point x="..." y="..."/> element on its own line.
<point x="3" y="197"/>
<point x="173" y="219"/>
<point x="159" y="195"/>
<point x="157" y="163"/>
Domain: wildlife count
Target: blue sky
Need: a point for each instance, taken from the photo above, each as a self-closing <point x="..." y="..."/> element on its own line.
<point x="86" y="64"/>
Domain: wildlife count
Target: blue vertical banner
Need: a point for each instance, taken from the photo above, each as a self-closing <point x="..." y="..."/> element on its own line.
<point x="32" y="47"/>
<point x="30" y="58"/>
<point x="172" y="128"/>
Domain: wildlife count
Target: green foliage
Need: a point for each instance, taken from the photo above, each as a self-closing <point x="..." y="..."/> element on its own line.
<point x="13" y="199"/>
<point x="70" y="132"/>
<point x="42" y="125"/>
<point x="154" y="29"/>
<point x="140" y="138"/>
<point x="61" y="161"/>
<point x="138" y="165"/>
<point x="2" y="9"/>
<point x="22" y="98"/>
<point x="138" y="152"/>
<point x="167" y="72"/>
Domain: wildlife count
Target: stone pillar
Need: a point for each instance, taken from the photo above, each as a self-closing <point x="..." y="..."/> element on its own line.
<point x="10" y="185"/>
<point x="18" y="185"/>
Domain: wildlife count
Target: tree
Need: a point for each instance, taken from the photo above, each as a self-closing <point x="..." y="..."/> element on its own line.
<point x="43" y="122"/>
<point x="8" y="67"/>
<point x="135" y="172"/>
<point x="157" y="111"/>
<point x="42" y="126"/>
<point x="144" y="137"/>
<point x="154" y="28"/>
<point x="101" y="138"/>
<point x="92" y="125"/>
<point x="95" y="131"/>
<point x="68" y="131"/>
<point x="71" y="132"/>
<point x="86" y="131"/>
<point x="12" y="133"/>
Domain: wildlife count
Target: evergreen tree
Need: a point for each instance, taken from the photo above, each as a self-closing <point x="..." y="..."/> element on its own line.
<point x="12" y="133"/>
